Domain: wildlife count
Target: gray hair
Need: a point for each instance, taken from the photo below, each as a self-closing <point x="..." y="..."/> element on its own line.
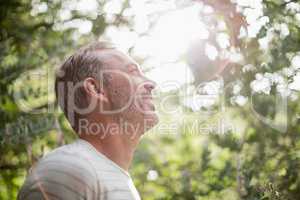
<point x="82" y="64"/>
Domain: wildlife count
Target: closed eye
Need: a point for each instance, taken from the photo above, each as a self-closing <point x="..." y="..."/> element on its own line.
<point x="134" y="70"/>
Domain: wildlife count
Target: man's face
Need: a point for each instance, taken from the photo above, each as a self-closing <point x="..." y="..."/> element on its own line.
<point x="128" y="90"/>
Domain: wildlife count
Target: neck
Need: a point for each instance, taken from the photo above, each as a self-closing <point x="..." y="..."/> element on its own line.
<point x="117" y="147"/>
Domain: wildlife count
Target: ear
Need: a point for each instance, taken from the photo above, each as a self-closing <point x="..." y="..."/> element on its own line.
<point x="93" y="89"/>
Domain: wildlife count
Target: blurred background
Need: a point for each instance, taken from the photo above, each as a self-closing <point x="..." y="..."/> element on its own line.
<point x="228" y="75"/>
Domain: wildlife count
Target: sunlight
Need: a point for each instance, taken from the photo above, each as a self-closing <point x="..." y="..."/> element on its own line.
<point x="168" y="42"/>
<point x="178" y="74"/>
<point x="175" y="31"/>
<point x="165" y="45"/>
<point x="153" y="99"/>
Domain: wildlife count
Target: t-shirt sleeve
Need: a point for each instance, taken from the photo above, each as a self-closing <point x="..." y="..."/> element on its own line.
<point x="61" y="177"/>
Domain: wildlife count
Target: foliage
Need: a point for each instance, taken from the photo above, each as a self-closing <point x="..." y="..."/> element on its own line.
<point x="252" y="162"/>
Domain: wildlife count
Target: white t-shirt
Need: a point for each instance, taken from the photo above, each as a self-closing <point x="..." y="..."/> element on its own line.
<point x="78" y="172"/>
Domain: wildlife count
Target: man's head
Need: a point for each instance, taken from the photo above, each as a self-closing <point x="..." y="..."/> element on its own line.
<point x="104" y="86"/>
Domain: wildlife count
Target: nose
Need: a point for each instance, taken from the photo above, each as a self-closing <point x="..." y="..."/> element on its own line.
<point x="149" y="85"/>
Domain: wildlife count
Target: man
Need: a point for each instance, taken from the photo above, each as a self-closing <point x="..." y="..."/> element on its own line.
<point x="107" y="100"/>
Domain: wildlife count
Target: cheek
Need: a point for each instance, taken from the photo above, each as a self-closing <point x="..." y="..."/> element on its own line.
<point x="121" y="92"/>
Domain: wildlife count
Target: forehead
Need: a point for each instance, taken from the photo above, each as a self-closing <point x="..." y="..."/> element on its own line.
<point x="115" y="59"/>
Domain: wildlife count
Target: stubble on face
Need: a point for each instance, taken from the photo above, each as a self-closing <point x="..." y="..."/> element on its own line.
<point x="125" y="95"/>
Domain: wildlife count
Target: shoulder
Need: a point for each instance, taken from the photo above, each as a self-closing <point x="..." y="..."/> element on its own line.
<point x="69" y="159"/>
<point x="64" y="174"/>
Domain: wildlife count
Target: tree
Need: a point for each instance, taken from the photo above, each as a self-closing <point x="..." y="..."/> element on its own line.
<point x="259" y="160"/>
